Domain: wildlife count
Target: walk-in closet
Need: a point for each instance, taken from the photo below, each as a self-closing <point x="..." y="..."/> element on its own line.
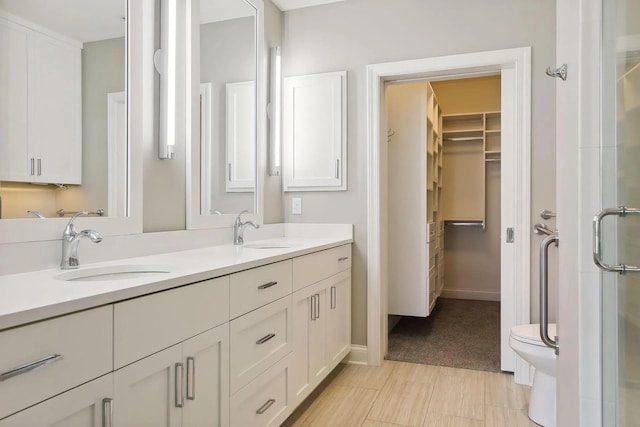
<point x="444" y="233"/>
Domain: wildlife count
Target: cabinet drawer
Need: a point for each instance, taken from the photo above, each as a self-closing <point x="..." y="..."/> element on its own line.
<point x="258" y="340"/>
<point x="83" y="342"/>
<point x="264" y="402"/>
<point x="259" y="286"/>
<point x="312" y="268"/>
<point x="145" y="325"/>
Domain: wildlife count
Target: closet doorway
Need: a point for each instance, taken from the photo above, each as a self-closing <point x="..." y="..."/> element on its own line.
<point x="443" y="158"/>
<point x="514" y="66"/>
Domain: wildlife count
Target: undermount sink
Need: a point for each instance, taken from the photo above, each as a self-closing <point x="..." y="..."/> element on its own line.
<point x="266" y="246"/>
<point x="112" y="272"/>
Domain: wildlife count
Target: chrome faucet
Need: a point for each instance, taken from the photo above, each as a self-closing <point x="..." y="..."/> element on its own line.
<point x="71" y="240"/>
<point x="238" y="228"/>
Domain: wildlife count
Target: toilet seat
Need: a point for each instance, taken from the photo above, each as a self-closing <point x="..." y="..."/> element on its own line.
<point x="530" y="334"/>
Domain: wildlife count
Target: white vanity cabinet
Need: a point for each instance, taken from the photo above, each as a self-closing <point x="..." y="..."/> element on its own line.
<point x="40" y="116"/>
<point x="322" y="318"/>
<point x="171" y="352"/>
<point x="184" y="385"/>
<point x="234" y="351"/>
<point x="83" y="406"/>
<point x="43" y="359"/>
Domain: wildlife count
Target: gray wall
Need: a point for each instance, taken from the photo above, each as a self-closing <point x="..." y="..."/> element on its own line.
<point x="227" y="55"/>
<point x="351" y="34"/>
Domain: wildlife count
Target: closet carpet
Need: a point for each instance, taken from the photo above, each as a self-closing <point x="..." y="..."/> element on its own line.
<point x="458" y="334"/>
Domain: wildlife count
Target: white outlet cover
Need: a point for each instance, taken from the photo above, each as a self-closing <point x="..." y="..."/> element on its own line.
<point x="296" y="206"/>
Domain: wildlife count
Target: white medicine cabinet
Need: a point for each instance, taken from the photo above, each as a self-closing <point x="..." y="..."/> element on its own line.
<point x="314" y="132"/>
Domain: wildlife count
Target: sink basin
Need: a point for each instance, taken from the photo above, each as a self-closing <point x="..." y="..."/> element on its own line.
<point x="266" y="246"/>
<point x="112" y="272"/>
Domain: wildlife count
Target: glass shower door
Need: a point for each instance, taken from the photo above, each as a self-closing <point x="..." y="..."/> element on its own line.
<point x="620" y="243"/>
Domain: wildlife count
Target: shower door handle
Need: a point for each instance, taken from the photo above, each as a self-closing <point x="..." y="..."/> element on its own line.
<point x="544" y="292"/>
<point x="622" y="211"/>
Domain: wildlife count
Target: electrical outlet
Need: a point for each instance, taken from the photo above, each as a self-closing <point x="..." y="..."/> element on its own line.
<point x="296" y="205"/>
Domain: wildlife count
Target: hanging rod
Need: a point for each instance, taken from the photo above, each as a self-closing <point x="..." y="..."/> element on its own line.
<point x="62" y="212"/>
<point x="464" y="223"/>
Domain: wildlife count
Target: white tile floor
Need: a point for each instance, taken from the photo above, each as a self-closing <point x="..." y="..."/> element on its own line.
<point x="398" y="394"/>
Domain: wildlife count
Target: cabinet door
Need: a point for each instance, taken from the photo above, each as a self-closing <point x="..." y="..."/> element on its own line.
<point x="309" y="335"/>
<point x="315" y="132"/>
<point x="80" y="407"/>
<point x="339" y="318"/>
<point x="55" y="127"/>
<point x="14" y="163"/>
<point x="147" y="393"/>
<point x="206" y="359"/>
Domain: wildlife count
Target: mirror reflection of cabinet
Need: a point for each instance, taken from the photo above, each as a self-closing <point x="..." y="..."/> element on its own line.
<point x="40" y="117"/>
<point x="315" y="132"/>
<point x="241" y="136"/>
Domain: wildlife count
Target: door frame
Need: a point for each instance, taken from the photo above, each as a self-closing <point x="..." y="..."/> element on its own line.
<point x="515" y="68"/>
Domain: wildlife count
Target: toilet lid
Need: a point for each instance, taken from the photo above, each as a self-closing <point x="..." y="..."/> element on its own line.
<point x="530" y="334"/>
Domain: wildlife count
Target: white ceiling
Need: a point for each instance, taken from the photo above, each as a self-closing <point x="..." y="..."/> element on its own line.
<point x="82" y="20"/>
<point x="285" y="5"/>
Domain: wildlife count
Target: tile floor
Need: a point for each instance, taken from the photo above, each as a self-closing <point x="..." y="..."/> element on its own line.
<point x="398" y="394"/>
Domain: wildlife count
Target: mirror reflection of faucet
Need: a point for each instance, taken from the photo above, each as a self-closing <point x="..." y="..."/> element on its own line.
<point x="36" y="214"/>
<point x="238" y="228"/>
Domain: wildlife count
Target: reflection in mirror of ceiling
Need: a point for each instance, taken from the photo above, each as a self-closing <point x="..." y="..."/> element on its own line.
<point x="285" y="5"/>
<point x="82" y="20"/>
<point x="224" y="10"/>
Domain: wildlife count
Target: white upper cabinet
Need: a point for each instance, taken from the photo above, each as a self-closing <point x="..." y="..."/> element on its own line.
<point x="315" y="132"/>
<point x="40" y="116"/>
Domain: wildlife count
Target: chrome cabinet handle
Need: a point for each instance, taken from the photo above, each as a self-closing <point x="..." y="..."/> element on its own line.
<point x="344" y="258"/>
<point x="261" y="410"/>
<point x="33" y="167"/>
<point x="23" y="369"/>
<point x="230" y="172"/>
<point x="178" y="386"/>
<point x="312" y="300"/>
<point x="333" y="297"/>
<point x="337" y="168"/>
<point x="191" y="378"/>
<point x="622" y="211"/>
<point x="544" y="292"/>
<point x="39" y="167"/>
<point x="107" y="412"/>
<point x="317" y="306"/>
<point x="265" y="338"/>
<point x="267" y="285"/>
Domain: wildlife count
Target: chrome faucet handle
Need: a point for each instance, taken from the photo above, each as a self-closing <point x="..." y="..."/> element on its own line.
<point x="70" y="229"/>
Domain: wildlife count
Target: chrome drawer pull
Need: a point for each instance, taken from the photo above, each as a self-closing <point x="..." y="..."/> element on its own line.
<point x="178" y="386"/>
<point x="261" y="410"/>
<point x="267" y="285"/>
<point x="29" y="367"/>
<point x="265" y="338"/>
<point x="191" y="378"/>
<point x="107" y="412"/>
<point x="333" y="297"/>
<point x="343" y="258"/>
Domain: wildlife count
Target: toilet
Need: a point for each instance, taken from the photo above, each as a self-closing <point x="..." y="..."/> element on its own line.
<point x="525" y="340"/>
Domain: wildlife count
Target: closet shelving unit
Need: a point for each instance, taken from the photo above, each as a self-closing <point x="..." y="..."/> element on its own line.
<point x="435" y="225"/>
<point x="471" y="142"/>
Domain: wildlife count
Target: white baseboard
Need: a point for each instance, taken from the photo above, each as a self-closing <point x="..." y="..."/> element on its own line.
<point x="470" y="294"/>
<point x="358" y="355"/>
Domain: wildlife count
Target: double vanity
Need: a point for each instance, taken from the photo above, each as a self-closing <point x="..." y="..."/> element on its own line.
<point x="230" y="335"/>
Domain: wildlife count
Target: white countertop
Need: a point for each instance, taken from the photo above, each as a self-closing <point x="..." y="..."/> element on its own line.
<point x="38" y="295"/>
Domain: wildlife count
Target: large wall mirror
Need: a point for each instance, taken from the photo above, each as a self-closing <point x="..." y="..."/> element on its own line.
<point x="64" y="116"/>
<point x="225" y="39"/>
